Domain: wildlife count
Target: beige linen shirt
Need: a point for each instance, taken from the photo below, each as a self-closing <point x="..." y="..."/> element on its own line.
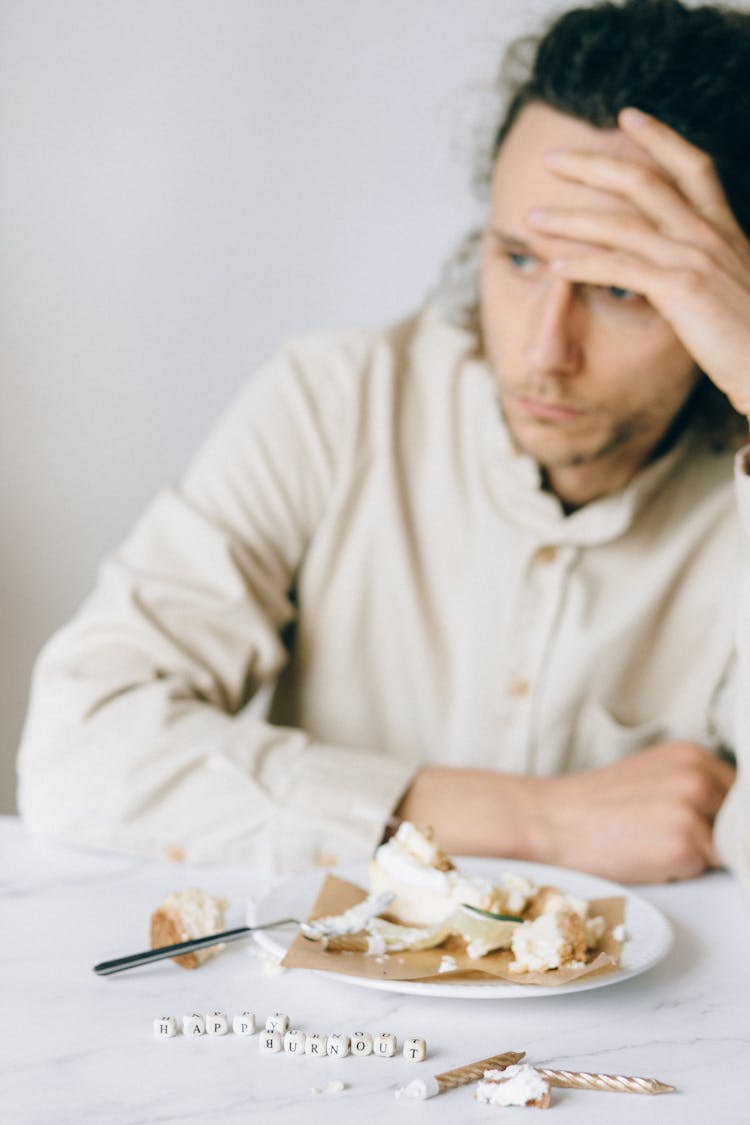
<point x="359" y="533"/>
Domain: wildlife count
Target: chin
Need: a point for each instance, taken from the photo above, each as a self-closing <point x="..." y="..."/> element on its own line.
<point x="547" y="448"/>
<point x="552" y="448"/>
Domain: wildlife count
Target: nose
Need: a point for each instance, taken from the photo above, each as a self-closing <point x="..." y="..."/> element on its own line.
<point x="554" y="344"/>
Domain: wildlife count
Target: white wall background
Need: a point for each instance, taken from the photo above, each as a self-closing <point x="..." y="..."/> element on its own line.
<point x="183" y="184"/>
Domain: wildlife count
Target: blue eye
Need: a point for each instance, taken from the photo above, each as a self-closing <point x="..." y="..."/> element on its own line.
<point x="520" y="262"/>
<point x="620" y="294"/>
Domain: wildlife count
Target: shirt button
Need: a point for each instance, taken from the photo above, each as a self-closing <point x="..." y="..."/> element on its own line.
<point x="519" y="687"/>
<point x="546" y="555"/>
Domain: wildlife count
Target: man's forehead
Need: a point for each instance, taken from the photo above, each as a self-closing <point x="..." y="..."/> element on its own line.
<point x="522" y="181"/>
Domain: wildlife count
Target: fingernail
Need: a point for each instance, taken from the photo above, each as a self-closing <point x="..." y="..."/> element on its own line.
<point x="633" y="117"/>
<point x="537" y="215"/>
<point x="554" y="156"/>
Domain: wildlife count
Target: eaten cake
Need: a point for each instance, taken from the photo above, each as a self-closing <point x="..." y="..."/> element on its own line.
<point x="184" y="916"/>
<point x="434" y="899"/>
<point x="518" y="1085"/>
<point x="426" y="885"/>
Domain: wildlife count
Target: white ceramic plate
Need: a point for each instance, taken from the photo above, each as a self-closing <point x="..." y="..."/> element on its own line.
<point x="649" y="933"/>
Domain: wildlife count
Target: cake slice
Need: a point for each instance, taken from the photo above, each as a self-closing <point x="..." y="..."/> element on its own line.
<point x="426" y="884"/>
<point x="186" y="915"/>
<point x="553" y="940"/>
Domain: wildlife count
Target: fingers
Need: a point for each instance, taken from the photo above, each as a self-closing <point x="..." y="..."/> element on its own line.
<point x="637" y="236"/>
<point x="696" y="850"/>
<point x="691" y="169"/>
<point x="617" y="269"/>
<point x="696" y="759"/>
<point x="644" y="187"/>
<point x="602" y="228"/>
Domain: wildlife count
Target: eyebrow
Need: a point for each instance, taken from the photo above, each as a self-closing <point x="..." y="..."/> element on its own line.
<point x="512" y="241"/>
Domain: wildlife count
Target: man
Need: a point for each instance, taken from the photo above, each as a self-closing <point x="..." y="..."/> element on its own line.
<point x="490" y="571"/>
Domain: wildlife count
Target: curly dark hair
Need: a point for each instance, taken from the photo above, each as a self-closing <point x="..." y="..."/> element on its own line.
<point x="688" y="66"/>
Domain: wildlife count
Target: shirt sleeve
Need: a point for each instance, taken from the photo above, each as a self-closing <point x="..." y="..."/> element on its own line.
<point x="732" y="829"/>
<point x="141" y="734"/>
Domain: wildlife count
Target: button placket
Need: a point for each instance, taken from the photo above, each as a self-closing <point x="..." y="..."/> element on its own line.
<point x="556" y="577"/>
<point x="541" y="600"/>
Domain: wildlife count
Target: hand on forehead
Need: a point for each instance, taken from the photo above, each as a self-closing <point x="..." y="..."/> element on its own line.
<point x="522" y="181"/>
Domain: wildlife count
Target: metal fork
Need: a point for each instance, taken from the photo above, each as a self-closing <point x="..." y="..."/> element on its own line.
<point x="320" y="927"/>
<point x="107" y="968"/>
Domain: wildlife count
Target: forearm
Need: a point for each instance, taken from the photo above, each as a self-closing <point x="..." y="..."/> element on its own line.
<point x="153" y="772"/>
<point x="647" y="818"/>
<point x="480" y="812"/>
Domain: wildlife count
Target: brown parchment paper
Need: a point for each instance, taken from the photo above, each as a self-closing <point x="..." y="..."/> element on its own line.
<point x="337" y="895"/>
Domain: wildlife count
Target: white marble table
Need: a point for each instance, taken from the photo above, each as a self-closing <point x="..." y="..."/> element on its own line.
<point x="79" y="1048"/>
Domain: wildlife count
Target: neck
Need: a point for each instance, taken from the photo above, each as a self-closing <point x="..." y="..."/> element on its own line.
<point x="577" y="485"/>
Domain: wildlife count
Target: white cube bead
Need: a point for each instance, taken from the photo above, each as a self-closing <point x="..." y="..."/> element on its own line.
<point x="315" y="1044"/>
<point x="415" y="1050"/>
<point x="361" y="1043"/>
<point x="244" y="1024"/>
<point x="384" y="1045"/>
<point x="165" y="1027"/>
<point x="338" y="1045"/>
<point x="277" y="1021"/>
<point x="194" y="1024"/>
<point x="294" y="1041"/>
<point x="217" y="1023"/>
<point x="270" y="1042"/>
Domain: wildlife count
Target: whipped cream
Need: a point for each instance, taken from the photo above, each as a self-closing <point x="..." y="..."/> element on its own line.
<point x="351" y="921"/>
<point x="518" y="892"/>
<point x="418" y="842"/>
<point x="401" y="863"/>
<point x="516" y="1085"/>
<point x="419" y="1089"/>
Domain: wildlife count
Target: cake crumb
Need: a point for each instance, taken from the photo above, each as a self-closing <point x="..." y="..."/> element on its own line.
<point x="447" y="964"/>
<point x="335" y="1086"/>
<point x="272" y="967"/>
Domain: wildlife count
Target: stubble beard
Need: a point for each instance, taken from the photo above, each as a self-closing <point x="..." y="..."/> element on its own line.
<point x="621" y="433"/>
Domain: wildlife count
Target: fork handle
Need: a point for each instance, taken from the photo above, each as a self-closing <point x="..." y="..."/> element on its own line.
<point x="107" y="968"/>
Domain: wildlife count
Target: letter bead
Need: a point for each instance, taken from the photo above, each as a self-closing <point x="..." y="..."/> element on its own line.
<point x="315" y="1044"/>
<point x="244" y="1024"/>
<point x="270" y="1042"/>
<point x="217" y="1023"/>
<point x="165" y="1027"/>
<point x="415" y="1050"/>
<point x="361" y="1043"/>
<point x="194" y="1024"/>
<point x="338" y="1045"/>
<point x="294" y="1041"/>
<point x="277" y="1021"/>
<point x="385" y="1045"/>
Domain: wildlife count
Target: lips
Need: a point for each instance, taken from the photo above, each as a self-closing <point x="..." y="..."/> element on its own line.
<point x="549" y="411"/>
